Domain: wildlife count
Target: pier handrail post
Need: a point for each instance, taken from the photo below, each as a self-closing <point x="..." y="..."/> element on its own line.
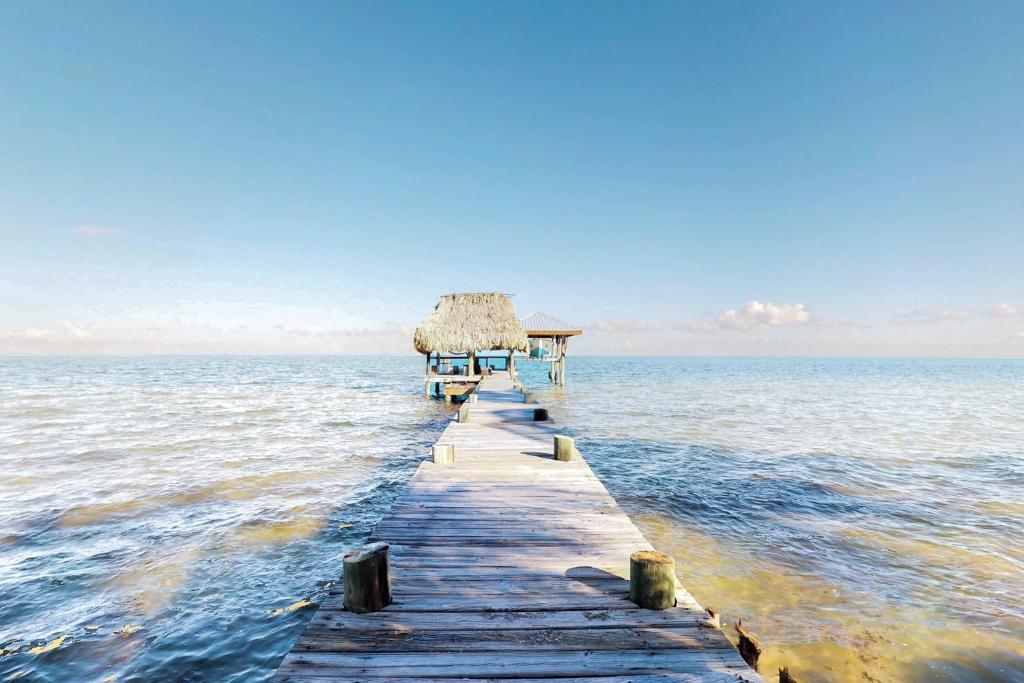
<point x="652" y="579"/>
<point x="366" y="578"/>
<point x="565" y="448"/>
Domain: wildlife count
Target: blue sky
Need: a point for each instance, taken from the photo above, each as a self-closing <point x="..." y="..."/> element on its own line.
<point x="309" y="177"/>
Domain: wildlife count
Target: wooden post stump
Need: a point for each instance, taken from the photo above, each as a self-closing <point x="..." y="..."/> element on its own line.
<point x="473" y="399"/>
<point x="464" y="412"/>
<point x="748" y="645"/>
<point x="652" y="579"/>
<point x="366" y="580"/>
<point x="565" y="449"/>
<point x="444" y="453"/>
<point x="540" y="414"/>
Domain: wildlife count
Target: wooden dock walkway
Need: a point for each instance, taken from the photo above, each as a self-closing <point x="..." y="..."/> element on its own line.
<point x="510" y="565"/>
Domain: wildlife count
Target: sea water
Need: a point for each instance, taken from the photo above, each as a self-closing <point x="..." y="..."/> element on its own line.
<point x="178" y="518"/>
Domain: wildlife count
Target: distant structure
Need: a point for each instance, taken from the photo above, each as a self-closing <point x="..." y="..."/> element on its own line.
<point x="460" y="337"/>
<point x="549" y="342"/>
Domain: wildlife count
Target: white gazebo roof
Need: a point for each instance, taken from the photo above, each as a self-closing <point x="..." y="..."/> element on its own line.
<point x="542" y="324"/>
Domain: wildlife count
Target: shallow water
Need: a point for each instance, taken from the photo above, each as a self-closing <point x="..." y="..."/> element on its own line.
<point x="168" y="518"/>
<point x="157" y="513"/>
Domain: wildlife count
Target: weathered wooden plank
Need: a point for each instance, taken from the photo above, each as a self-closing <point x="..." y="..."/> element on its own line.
<point x="518" y="664"/>
<point x="509" y="640"/>
<point x="674" y="677"/>
<point x="487" y="620"/>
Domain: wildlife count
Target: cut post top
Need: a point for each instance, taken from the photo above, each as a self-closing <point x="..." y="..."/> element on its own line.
<point x="652" y="579"/>
<point x="363" y="552"/>
<point x="565" y="448"/>
<point x="366" y="578"/>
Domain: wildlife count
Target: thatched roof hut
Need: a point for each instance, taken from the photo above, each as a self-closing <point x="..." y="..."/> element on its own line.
<point x="471" y="322"/>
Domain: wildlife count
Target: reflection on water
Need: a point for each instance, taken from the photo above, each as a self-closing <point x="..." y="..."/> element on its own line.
<point x="177" y="518"/>
<point x="862" y="516"/>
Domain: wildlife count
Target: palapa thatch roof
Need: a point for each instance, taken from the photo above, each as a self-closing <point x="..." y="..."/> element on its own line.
<point x="481" y="321"/>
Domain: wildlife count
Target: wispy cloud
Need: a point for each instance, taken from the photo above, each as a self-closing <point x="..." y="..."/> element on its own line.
<point x="27" y="339"/>
<point x="620" y="326"/>
<point x="928" y="316"/>
<point x="755" y="314"/>
<point x="95" y="232"/>
<point x="386" y="330"/>
<point x="1004" y="310"/>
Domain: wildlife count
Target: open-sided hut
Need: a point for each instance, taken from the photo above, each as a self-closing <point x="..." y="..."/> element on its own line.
<point x="549" y="342"/>
<point x="461" y="326"/>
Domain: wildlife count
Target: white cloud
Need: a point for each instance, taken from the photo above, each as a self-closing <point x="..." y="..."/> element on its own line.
<point x="932" y="315"/>
<point x="1004" y="310"/>
<point x="338" y="333"/>
<point x="74" y="331"/>
<point x="755" y="315"/>
<point x="28" y="334"/>
<point x="95" y="232"/>
<point x="619" y="326"/>
<point x="64" y="334"/>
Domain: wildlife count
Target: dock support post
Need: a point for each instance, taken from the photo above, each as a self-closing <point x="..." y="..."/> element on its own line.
<point x="366" y="579"/>
<point x="540" y="414"/>
<point x="652" y="579"/>
<point x="565" y="448"/>
<point x="444" y="453"/>
<point x="464" y="412"/>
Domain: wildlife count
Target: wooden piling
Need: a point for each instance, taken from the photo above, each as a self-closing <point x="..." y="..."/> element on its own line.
<point x="464" y="412"/>
<point x="366" y="580"/>
<point x="565" y="448"/>
<point x="652" y="579"/>
<point x="443" y="453"/>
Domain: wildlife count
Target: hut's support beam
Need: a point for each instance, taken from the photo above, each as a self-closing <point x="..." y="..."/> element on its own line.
<point x="565" y="353"/>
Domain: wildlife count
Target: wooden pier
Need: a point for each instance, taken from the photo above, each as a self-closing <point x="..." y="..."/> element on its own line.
<point x="508" y="564"/>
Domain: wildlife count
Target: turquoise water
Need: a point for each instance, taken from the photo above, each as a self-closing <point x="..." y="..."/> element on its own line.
<point x="168" y="518"/>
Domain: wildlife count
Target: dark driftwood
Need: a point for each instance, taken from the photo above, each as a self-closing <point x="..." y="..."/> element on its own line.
<point x="366" y="580"/>
<point x="652" y="579"/>
<point x="748" y="646"/>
